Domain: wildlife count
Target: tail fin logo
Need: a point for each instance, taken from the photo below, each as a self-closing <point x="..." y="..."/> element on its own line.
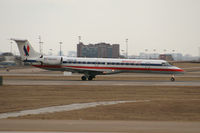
<point x="26" y="50"/>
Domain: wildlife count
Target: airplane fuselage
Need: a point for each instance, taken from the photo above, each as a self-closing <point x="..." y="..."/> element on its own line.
<point x="107" y="65"/>
<point x="91" y="67"/>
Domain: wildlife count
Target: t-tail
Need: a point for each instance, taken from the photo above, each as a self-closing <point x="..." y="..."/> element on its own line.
<point x="26" y="50"/>
<point x="28" y="54"/>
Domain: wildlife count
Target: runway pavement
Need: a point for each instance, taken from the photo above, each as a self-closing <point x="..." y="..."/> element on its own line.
<point x="47" y="132"/>
<point x="100" y="82"/>
<point x="36" y="72"/>
<point x="60" y="126"/>
<point x="86" y="126"/>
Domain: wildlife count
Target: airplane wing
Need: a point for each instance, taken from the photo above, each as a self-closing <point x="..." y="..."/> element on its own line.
<point x="91" y="70"/>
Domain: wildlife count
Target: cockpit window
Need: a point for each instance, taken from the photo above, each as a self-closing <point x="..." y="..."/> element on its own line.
<point x="165" y="64"/>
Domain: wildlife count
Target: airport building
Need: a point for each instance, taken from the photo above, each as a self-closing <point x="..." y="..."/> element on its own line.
<point x="167" y="57"/>
<point x="7" y="59"/>
<point x="99" y="50"/>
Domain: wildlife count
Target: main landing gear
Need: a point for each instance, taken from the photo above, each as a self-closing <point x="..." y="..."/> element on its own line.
<point x="87" y="77"/>
<point x="172" y="78"/>
<point x="83" y="78"/>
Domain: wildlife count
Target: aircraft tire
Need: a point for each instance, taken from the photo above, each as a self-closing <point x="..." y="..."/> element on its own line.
<point x="83" y="78"/>
<point x="172" y="79"/>
<point x="90" y="78"/>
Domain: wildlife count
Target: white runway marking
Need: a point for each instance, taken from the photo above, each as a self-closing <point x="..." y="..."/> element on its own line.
<point x="70" y="107"/>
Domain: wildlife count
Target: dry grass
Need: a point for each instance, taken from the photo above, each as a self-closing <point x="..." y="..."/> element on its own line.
<point x="168" y="103"/>
<point x="186" y="64"/>
<point x="157" y="110"/>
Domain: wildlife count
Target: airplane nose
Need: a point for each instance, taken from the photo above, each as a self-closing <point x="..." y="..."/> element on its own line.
<point x="180" y="71"/>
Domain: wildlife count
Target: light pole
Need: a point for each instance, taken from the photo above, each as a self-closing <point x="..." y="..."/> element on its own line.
<point x="40" y="44"/>
<point x="51" y="53"/>
<point x="199" y="53"/>
<point x="11" y="47"/>
<point x="60" y="48"/>
<point x="79" y="39"/>
<point x="173" y="54"/>
<point x="123" y="53"/>
<point x="164" y="51"/>
<point x="154" y="50"/>
<point x="146" y="50"/>
<point x="127" y="48"/>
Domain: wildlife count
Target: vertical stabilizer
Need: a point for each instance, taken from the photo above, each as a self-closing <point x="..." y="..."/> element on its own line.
<point x="25" y="49"/>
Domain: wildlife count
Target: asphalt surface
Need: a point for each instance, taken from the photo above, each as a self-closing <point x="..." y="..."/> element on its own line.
<point x="47" y="132"/>
<point x="85" y="126"/>
<point x="35" y="72"/>
<point x="100" y="126"/>
<point x="100" y="82"/>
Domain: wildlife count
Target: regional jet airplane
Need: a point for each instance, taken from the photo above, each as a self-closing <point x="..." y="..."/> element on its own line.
<point x="90" y="67"/>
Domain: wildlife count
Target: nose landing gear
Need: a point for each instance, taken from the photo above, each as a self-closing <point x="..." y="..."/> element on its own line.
<point x="172" y="78"/>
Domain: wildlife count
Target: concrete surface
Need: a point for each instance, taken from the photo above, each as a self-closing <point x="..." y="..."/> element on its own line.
<point x="100" y="126"/>
<point x="99" y="82"/>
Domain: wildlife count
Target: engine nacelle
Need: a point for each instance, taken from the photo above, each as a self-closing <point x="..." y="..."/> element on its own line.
<point x="52" y="60"/>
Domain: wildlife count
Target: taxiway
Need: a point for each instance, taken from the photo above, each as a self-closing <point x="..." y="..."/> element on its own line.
<point x="99" y="82"/>
<point x="85" y="126"/>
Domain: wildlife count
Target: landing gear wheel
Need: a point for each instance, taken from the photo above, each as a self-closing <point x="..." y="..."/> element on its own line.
<point x="172" y="79"/>
<point x="83" y="78"/>
<point x="90" y="78"/>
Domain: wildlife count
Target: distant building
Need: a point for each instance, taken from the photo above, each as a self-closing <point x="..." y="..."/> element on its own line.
<point x="167" y="57"/>
<point x="143" y="55"/>
<point x="177" y="56"/>
<point x="7" y="59"/>
<point x="71" y="54"/>
<point x="99" y="50"/>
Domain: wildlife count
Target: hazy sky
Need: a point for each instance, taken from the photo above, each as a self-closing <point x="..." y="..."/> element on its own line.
<point x="148" y="24"/>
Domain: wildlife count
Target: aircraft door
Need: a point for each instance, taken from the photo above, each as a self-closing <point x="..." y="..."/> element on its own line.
<point x="147" y="66"/>
<point x="96" y="63"/>
<point x="61" y="60"/>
